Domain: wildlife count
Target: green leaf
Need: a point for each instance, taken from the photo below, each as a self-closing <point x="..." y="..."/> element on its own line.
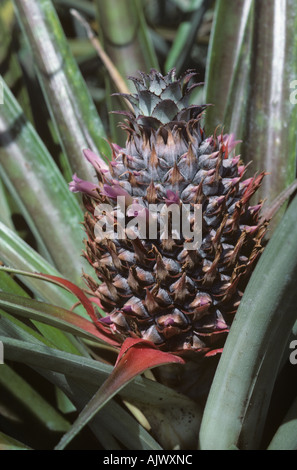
<point x="10" y="66"/>
<point x="55" y="336"/>
<point x="32" y="400"/>
<point x="34" y="180"/>
<point x="113" y="425"/>
<point x="238" y="401"/>
<point x="5" y="214"/>
<point x="236" y="101"/>
<point x="179" y="53"/>
<point x="70" y="105"/>
<point x="8" y="284"/>
<point x="15" y="328"/>
<point x="123" y="34"/>
<point x="54" y="359"/>
<point x="285" y="437"/>
<point x="52" y="315"/>
<point x="271" y="127"/>
<point x="227" y="35"/>
<point x="8" y="443"/>
<point x="15" y="252"/>
<point x="135" y="357"/>
<point x="87" y="371"/>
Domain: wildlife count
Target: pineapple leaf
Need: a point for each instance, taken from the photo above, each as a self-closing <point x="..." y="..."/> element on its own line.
<point x="37" y="185"/>
<point x="52" y="315"/>
<point x="147" y="102"/>
<point x="15" y="252"/>
<point x="229" y="24"/>
<point x="285" y="437"/>
<point x="70" y="105"/>
<point x="181" y="49"/>
<point x="165" y="111"/>
<point x="32" y="400"/>
<point x="8" y="443"/>
<point x="135" y="357"/>
<point x="173" y="92"/>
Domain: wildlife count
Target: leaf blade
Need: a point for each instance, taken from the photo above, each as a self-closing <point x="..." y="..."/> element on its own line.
<point x="135" y="357"/>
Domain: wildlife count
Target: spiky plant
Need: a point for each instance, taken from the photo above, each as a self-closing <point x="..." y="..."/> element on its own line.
<point x="182" y="300"/>
<point x="56" y="360"/>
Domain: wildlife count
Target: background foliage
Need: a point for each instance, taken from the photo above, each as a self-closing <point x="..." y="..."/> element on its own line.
<point x="58" y="82"/>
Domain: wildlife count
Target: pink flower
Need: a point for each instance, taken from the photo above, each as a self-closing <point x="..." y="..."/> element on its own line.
<point x="114" y="191"/>
<point x="78" y="185"/>
<point x="98" y="163"/>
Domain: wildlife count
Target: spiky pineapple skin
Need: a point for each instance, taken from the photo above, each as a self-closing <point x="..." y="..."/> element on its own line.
<point x="181" y="300"/>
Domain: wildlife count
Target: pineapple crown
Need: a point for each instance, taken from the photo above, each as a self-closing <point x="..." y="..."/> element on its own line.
<point x="162" y="99"/>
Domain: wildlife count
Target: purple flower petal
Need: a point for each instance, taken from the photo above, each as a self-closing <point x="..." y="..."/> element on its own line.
<point x="229" y="141"/>
<point x="107" y="320"/>
<point x="98" y="163"/>
<point x="114" y="191"/>
<point x="77" y="185"/>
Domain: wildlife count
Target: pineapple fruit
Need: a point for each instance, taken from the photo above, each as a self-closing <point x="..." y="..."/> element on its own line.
<point x="182" y="300"/>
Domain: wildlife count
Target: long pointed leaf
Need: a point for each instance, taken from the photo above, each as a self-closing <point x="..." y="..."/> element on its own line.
<point x="5" y="213"/>
<point x="33" y="178"/>
<point x="51" y="315"/>
<point x="15" y="252"/>
<point x="228" y="29"/>
<point x="72" y="109"/>
<point x="87" y="370"/>
<point x="32" y="400"/>
<point x="271" y="127"/>
<point x="286" y="436"/>
<point x="135" y="357"/>
<point x="55" y="335"/>
<point x="180" y="51"/>
<point x="121" y="27"/>
<point x="8" y="443"/>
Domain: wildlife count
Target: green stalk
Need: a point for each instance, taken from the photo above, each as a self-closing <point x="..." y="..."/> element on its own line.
<point x="228" y="30"/>
<point x="238" y="401"/>
<point x="9" y="64"/>
<point x="271" y="131"/>
<point x="234" y="120"/>
<point x="34" y="180"/>
<point x="125" y="38"/>
<point x="126" y="42"/>
<point x="70" y="105"/>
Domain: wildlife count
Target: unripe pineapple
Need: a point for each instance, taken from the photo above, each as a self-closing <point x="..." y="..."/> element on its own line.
<point x="182" y="300"/>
